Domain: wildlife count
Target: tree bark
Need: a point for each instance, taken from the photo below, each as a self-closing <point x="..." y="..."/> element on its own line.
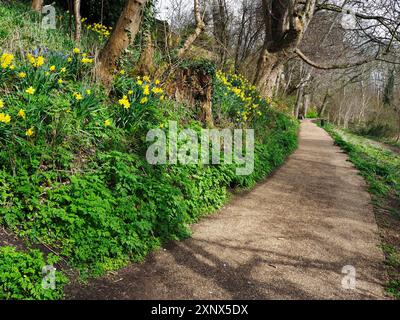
<point x="285" y="25"/>
<point x="306" y="104"/>
<point x="37" y="5"/>
<point x="200" y="26"/>
<point x="398" y="128"/>
<point x="268" y="69"/>
<point x="324" y="105"/>
<point x="78" y="22"/>
<point x="122" y="36"/>
<point x="299" y="102"/>
<point x="146" y="64"/>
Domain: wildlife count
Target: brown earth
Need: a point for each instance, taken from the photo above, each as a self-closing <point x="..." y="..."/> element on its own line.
<point x="289" y="238"/>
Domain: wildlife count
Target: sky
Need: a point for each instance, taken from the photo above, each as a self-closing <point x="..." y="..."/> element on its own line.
<point x="163" y="6"/>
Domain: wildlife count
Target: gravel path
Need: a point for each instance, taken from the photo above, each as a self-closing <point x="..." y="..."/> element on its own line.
<point x="289" y="238"/>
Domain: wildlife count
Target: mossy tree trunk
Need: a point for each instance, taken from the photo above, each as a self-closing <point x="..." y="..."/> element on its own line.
<point x="146" y="62"/>
<point x="124" y="33"/>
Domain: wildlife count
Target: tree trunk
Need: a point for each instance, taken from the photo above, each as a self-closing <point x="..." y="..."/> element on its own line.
<point x="306" y="105"/>
<point x="324" y="105"/>
<point x="240" y="40"/>
<point x="299" y="102"/>
<point x="268" y="69"/>
<point x="398" y="126"/>
<point x="37" y="5"/>
<point x="285" y="24"/>
<point x="123" y="35"/>
<point x="146" y="64"/>
<point x="78" y="22"/>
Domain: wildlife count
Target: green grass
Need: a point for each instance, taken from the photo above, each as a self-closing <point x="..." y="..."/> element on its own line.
<point x="381" y="170"/>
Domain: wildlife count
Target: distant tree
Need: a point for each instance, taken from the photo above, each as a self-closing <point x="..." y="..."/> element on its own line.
<point x="389" y="89"/>
<point x="78" y="23"/>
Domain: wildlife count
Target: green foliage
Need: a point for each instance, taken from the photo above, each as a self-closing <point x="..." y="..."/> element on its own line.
<point x="375" y="130"/>
<point x="312" y="113"/>
<point x="21" y="276"/>
<point x="206" y="66"/>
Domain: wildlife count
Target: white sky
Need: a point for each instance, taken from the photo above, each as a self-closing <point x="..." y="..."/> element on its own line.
<point x="163" y="7"/>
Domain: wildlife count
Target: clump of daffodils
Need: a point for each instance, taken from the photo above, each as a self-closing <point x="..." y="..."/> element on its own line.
<point x="35" y="62"/>
<point x="6" y="60"/>
<point x="124" y="102"/>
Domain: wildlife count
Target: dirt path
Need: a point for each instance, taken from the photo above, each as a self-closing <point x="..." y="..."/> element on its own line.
<point x="288" y="239"/>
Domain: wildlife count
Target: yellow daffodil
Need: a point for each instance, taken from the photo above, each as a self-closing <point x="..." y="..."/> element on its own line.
<point x="5" y="118"/>
<point x="78" y="96"/>
<point x="130" y="92"/>
<point x="124" y="102"/>
<point x="144" y="100"/>
<point x="107" y="123"/>
<point x="122" y="72"/>
<point x="146" y="78"/>
<point x="39" y="61"/>
<point x="22" y="75"/>
<point x="60" y="81"/>
<point x="69" y="59"/>
<point x="139" y="82"/>
<point x="22" y="114"/>
<point x="157" y="90"/>
<point x="30" y="132"/>
<point x="35" y="62"/>
<point x="63" y="69"/>
<point x="52" y="68"/>
<point x="30" y="90"/>
<point x="6" y="60"/>
<point x="88" y="92"/>
<point x="146" y="90"/>
<point x="157" y="82"/>
<point x="1" y="103"/>
<point x="87" y="61"/>
<point x="76" y="50"/>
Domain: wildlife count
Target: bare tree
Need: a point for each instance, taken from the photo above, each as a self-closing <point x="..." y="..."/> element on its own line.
<point x="200" y="25"/>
